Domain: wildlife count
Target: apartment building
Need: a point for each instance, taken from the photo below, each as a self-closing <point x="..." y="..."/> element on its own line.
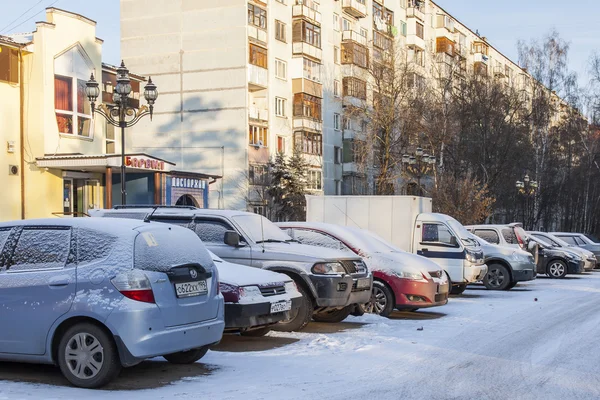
<point x="244" y="79"/>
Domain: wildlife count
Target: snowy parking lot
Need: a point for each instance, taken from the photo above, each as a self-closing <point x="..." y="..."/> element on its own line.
<point x="537" y="341"/>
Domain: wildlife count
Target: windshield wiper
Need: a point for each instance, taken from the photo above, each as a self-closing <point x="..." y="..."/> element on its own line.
<point x="270" y="241"/>
<point x="292" y="240"/>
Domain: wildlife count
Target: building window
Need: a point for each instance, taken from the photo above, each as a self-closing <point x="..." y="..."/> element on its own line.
<point x="346" y="25"/>
<point x="403" y="28"/>
<point x="259" y="209"/>
<point x="258" y="56"/>
<point x="109" y="134"/>
<point x="353" y="53"/>
<point x="307" y="106"/>
<point x="258" y="135"/>
<point x="312" y="70"/>
<point x="336" y="88"/>
<point x="315" y="180"/>
<point x="9" y="65"/>
<point x="280" y="69"/>
<point x="363" y="32"/>
<point x="73" y="113"/>
<point x="280" y="31"/>
<point x="304" y="31"/>
<point x="354" y="87"/>
<point x="336" y="54"/>
<point x="336" y="22"/>
<point x="257" y="16"/>
<point x="280" y="106"/>
<point x="337" y="121"/>
<point x="347" y="123"/>
<point x="381" y="41"/>
<point x="420" y="30"/>
<point x="337" y="155"/>
<point x="309" y="142"/>
<point x="258" y="175"/>
<point x="280" y="144"/>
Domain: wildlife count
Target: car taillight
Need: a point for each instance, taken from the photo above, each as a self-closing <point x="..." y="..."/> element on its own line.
<point x="134" y="285"/>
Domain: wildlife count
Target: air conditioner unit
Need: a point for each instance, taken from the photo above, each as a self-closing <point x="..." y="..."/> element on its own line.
<point x="13" y="170"/>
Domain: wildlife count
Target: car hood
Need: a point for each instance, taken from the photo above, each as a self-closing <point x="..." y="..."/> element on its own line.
<point x="579" y="251"/>
<point x="241" y="275"/>
<point x="398" y="261"/>
<point x="292" y="251"/>
<point x="494" y="250"/>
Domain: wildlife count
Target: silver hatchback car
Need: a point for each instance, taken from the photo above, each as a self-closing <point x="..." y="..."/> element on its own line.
<point x="94" y="295"/>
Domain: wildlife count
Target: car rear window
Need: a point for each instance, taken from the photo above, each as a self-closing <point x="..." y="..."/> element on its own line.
<point x="488" y="235"/>
<point x="509" y="236"/>
<point x="160" y="248"/>
<point x="41" y="248"/>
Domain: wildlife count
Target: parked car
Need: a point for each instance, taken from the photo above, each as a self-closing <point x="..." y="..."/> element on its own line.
<point x="557" y="262"/>
<point x="589" y="258"/>
<point x="401" y="280"/>
<point x="580" y="240"/>
<point x="506" y="266"/>
<point x="93" y="296"/>
<point x="255" y="299"/>
<point x="331" y="282"/>
<point x="510" y="235"/>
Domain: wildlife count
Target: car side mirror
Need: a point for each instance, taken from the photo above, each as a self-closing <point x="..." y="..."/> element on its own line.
<point x="232" y="238"/>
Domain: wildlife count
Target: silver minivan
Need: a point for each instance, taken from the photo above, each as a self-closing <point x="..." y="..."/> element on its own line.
<point x="94" y="295"/>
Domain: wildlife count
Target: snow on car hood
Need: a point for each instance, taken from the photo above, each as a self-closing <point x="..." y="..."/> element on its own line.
<point x="292" y="251"/>
<point x="398" y="261"/>
<point x="242" y="275"/>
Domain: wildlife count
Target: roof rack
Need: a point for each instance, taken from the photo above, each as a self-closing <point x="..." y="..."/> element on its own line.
<point x="155" y="206"/>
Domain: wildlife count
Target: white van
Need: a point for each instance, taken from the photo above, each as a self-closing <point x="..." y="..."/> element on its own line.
<point x="408" y="223"/>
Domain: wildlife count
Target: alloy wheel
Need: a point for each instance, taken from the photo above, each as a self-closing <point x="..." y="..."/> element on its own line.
<point x="496" y="277"/>
<point x="84" y="356"/>
<point x="557" y="269"/>
<point x="378" y="301"/>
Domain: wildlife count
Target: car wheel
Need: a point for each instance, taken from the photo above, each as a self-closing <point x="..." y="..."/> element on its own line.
<point x="497" y="277"/>
<point x="87" y="356"/>
<point x="186" y="357"/>
<point x="458" y="289"/>
<point x="300" y="317"/>
<point x="512" y="285"/>
<point x="260" y="332"/>
<point x="382" y="300"/>
<point x="334" y="316"/>
<point x="557" y="269"/>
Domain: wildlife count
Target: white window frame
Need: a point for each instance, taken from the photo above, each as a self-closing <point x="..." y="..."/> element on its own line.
<point x="315" y="179"/>
<point x="282" y="28"/>
<point x="337" y="88"/>
<point x="280" y="107"/>
<point x="309" y="66"/>
<point x="259" y="134"/>
<point x="337" y="122"/>
<point x="347" y="25"/>
<point x="336" y="54"/>
<point x="336" y="22"/>
<point x="337" y="155"/>
<point x="280" y="64"/>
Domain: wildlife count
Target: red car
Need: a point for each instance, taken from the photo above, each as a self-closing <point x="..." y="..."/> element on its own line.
<point x="401" y="280"/>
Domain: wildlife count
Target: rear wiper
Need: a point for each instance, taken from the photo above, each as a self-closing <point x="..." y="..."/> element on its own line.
<point x="270" y="241"/>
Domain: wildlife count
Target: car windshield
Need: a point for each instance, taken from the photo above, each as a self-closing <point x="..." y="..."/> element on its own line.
<point x="542" y="242"/>
<point x="260" y="230"/>
<point x="555" y="240"/>
<point x="593" y="238"/>
<point x="370" y="242"/>
<point x="462" y="232"/>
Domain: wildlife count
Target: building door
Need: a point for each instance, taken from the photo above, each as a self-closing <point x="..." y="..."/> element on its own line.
<point x="67" y="196"/>
<point x="80" y="195"/>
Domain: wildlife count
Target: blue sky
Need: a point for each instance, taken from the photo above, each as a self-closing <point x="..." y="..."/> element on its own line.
<point x="502" y="22"/>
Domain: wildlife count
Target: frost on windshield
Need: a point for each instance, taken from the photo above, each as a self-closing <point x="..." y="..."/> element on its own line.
<point x="161" y="247"/>
<point x="41" y="249"/>
<point x="260" y="229"/>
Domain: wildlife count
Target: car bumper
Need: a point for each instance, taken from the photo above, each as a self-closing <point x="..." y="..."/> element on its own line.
<point x="341" y="291"/>
<point x="523" y="271"/>
<point x="589" y="265"/>
<point x="140" y="333"/>
<point x="474" y="273"/>
<point x="574" y="267"/>
<point x="243" y="316"/>
<point x="413" y="294"/>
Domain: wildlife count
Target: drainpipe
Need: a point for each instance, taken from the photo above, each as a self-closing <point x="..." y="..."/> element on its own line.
<point x="22" y="131"/>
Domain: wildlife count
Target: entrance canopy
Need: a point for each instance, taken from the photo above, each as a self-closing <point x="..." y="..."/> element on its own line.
<point x="138" y="162"/>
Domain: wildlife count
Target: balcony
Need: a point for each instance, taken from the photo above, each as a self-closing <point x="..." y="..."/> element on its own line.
<point x="412" y="40"/>
<point x="303" y="48"/>
<point x="461" y="50"/>
<point x="445" y="58"/>
<point x="258" y="78"/>
<point x="414" y="12"/>
<point x="306" y="12"/>
<point x="480" y="58"/>
<point x="351" y="36"/>
<point x="354" y="8"/>
<point x="257" y="34"/>
<point x="307" y="124"/>
<point x="302" y="85"/>
<point x="500" y="72"/>
<point x="258" y="114"/>
<point x="444" y="33"/>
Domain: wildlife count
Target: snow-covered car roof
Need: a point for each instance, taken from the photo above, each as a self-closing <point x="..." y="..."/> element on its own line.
<point x="140" y="212"/>
<point x="114" y="226"/>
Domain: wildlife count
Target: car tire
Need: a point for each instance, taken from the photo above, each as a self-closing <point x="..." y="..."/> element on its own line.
<point x="512" y="285"/>
<point x="186" y="357"/>
<point x="497" y="277"/>
<point x="102" y="363"/>
<point x="458" y="289"/>
<point x="382" y="300"/>
<point x="334" y="316"/>
<point x="301" y="317"/>
<point x="556" y="269"/>
<point x="260" y="332"/>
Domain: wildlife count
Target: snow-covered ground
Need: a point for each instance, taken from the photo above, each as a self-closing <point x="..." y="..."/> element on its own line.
<point x="483" y="345"/>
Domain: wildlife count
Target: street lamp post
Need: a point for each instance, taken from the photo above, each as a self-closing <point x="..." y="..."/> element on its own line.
<point x="121" y="114"/>
<point x="418" y="164"/>
<point x="526" y="188"/>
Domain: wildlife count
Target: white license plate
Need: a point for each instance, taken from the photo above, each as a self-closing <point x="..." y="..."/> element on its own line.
<point x="281" y="306"/>
<point x="363" y="283"/>
<point x="190" y="289"/>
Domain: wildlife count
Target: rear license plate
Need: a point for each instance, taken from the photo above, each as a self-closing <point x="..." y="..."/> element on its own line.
<point x="363" y="283"/>
<point x="281" y="306"/>
<point x="190" y="289"/>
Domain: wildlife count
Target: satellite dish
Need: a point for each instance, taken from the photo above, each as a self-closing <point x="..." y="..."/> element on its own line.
<point x="260" y="143"/>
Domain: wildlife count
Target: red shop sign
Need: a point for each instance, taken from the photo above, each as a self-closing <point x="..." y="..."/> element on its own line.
<point x="144" y="163"/>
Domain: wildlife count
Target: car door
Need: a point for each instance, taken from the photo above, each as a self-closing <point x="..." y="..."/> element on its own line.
<point x="212" y="232"/>
<point x="436" y="241"/>
<point x="37" y="286"/>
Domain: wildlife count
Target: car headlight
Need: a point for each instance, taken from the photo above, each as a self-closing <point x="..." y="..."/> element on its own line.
<point x="290" y="287"/>
<point x="572" y="257"/>
<point x="333" y="268"/>
<point x="249" y="291"/>
<point x="413" y="275"/>
<point x="474" y="257"/>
